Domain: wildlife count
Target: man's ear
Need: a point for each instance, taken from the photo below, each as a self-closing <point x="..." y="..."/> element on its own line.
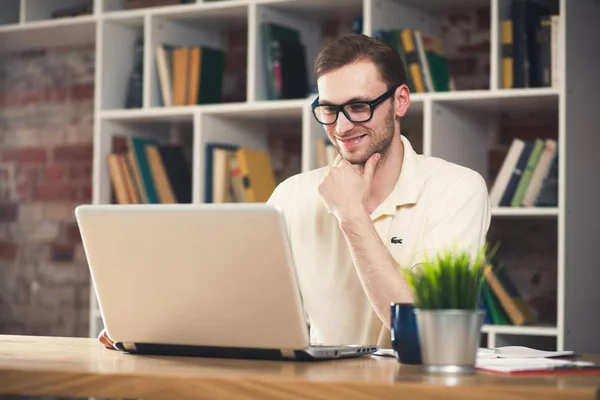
<point x="401" y="100"/>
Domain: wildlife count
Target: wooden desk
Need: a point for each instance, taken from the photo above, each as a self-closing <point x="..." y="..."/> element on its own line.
<point x="82" y="367"/>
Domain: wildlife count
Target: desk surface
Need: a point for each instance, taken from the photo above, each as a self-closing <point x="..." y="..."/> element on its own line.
<point x="82" y="367"/>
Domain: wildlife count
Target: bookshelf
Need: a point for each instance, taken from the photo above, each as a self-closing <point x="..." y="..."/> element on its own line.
<point x="462" y="125"/>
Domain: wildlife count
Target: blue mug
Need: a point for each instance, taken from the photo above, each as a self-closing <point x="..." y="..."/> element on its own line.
<point x="405" y="333"/>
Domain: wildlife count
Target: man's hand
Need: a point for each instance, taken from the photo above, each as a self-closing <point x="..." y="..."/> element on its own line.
<point x="345" y="189"/>
<point x="105" y="340"/>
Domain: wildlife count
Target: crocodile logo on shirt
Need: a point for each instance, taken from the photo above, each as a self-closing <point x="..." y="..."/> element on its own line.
<point x="396" y="240"/>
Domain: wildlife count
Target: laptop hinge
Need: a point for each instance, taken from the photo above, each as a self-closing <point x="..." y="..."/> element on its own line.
<point x="287" y="353"/>
<point x="129" y="346"/>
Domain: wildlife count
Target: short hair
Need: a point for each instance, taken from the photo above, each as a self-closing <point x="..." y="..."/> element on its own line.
<point x="355" y="47"/>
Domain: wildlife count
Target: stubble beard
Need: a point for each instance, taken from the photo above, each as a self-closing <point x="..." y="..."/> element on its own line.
<point x="380" y="143"/>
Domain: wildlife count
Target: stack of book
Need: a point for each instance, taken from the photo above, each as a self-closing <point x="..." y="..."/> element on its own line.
<point x="284" y="61"/>
<point x="190" y="75"/>
<point x="142" y="170"/>
<point x="237" y="174"/>
<point x="426" y="66"/>
<point x="528" y="176"/>
<point x="530" y="46"/>
<point x="502" y="302"/>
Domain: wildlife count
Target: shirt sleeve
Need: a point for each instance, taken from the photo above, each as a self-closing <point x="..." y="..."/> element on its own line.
<point x="459" y="219"/>
<point x="283" y="198"/>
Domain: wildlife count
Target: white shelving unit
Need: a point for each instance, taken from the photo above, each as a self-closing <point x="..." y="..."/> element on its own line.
<point x="458" y="126"/>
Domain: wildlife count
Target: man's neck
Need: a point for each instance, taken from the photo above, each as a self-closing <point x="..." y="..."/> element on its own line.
<point x="386" y="175"/>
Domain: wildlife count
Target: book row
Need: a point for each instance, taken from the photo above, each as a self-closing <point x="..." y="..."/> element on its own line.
<point x="142" y="170"/>
<point x="528" y="176"/>
<point x="530" y="46"/>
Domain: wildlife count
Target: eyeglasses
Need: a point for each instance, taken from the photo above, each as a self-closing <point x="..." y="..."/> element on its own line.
<point x="355" y="111"/>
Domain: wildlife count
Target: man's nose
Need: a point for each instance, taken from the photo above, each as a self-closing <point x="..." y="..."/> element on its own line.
<point x="343" y="124"/>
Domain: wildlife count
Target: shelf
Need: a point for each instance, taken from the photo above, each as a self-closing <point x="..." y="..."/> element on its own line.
<point x="40" y="34"/>
<point x="502" y="100"/>
<point x="260" y="109"/>
<point x="520" y="330"/>
<point x="173" y="114"/>
<point x="484" y="100"/>
<point x="114" y="7"/>
<point x="213" y="15"/>
<point x="317" y="9"/>
<point x="128" y="18"/>
<point x="443" y="5"/>
<point x="41" y="10"/>
<point x="222" y="27"/>
<point x="253" y="110"/>
<point x="525" y="211"/>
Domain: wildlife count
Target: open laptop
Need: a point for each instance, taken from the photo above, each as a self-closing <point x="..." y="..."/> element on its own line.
<point x="212" y="280"/>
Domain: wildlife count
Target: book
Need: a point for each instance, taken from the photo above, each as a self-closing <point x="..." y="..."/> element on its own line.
<point x="532" y="161"/>
<point x="516" y="308"/>
<point x="506" y="171"/>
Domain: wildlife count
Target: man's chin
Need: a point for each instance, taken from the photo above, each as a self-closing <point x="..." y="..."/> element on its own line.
<point x="355" y="159"/>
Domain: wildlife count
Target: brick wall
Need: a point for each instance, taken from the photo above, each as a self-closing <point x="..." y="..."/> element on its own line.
<point x="46" y="129"/>
<point x="466" y="40"/>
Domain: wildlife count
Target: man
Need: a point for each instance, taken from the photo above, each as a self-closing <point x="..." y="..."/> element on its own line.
<point x="379" y="207"/>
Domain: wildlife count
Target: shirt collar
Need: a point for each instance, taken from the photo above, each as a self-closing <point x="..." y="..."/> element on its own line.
<point x="408" y="187"/>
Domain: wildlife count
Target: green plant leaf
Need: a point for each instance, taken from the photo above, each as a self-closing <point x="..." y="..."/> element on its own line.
<point x="450" y="279"/>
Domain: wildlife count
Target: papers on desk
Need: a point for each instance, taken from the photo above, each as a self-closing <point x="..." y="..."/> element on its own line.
<point x="520" y="352"/>
<point x="384" y="353"/>
<point x="525" y="360"/>
<point x="518" y="360"/>
<point x="501" y="352"/>
<point x="535" y="366"/>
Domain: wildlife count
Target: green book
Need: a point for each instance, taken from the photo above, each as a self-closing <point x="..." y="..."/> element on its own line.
<point x="498" y="314"/>
<point x="271" y="32"/>
<point x="534" y="157"/>
<point x="211" y="76"/>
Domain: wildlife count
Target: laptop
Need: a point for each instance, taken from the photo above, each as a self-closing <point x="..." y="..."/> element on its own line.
<point x="207" y="280"/>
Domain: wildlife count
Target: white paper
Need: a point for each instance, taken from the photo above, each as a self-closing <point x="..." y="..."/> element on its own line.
<point x="521" y="352"/>
<point x="526" y="364"/>
<point x="384" y="353"/>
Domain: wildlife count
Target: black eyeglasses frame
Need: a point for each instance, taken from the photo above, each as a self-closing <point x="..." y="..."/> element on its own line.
<point x="340" y="107"/>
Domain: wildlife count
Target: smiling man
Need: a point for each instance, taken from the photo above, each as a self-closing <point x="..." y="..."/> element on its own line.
<point x="380" y="206"/>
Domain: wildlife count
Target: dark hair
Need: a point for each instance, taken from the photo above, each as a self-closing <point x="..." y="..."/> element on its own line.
<point x="354" y="47"/>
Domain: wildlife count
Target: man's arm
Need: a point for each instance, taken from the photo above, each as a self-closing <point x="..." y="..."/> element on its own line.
<point x="376" y="268"/>
<point x="460" y="218"/>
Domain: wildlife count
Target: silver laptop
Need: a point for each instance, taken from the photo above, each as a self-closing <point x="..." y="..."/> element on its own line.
<point x="214" y="280"/>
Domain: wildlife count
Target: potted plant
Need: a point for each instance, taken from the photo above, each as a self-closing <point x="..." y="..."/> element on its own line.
<point x="447" y="289"/>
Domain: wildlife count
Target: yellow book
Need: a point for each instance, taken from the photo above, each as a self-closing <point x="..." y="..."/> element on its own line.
<point x="414" y="67"/>
<point x="159" y="175"/>
<point x="180" y="75"/>
<point x="115" y="173"/>
<point x="507" y="53"/>
<point x="257" y="174"/>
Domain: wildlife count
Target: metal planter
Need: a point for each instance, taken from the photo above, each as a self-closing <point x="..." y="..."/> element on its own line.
<point x="449" y="339"/>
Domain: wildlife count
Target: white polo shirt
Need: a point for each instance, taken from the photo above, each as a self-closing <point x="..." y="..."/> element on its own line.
<point x="435" y="204"/>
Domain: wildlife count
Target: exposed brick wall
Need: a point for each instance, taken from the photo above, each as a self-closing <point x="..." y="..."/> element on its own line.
<point x="467" y="46"/>
<point x="46" y="130"/>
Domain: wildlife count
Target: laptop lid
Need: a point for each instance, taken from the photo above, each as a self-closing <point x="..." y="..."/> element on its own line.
<point x="203" y="274"/>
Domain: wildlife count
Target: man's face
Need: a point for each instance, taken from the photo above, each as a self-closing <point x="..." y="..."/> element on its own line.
<point x="356" y="142"/>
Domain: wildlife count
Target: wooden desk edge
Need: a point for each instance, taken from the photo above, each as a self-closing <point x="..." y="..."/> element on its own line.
<point x="52" y="383"/>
